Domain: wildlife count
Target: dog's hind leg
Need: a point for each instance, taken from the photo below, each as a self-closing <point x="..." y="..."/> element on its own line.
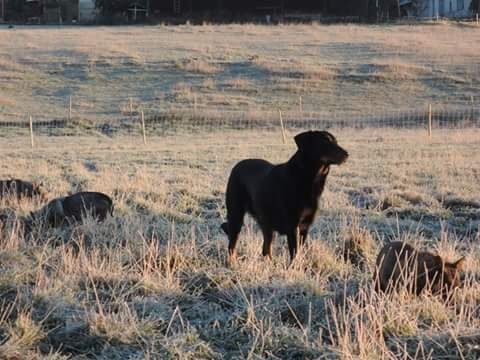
<point x="232" y="243"/>
<point x="267" y="242"/>
<point x="233" y="226"/>
<point x="236" y="203"/>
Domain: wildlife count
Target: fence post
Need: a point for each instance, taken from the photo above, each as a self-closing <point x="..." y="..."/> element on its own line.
<point x="300" y="105"/>
<point x="430" y="121"/>
<point x="476" y="18"/>
<point x="194" y="104"/>
<point x="31" y="131"/>
<point x="282" y="127"/>
<point x="131" y="108"/>
<point x="143" y="129"/>
<point x="69" y="108"/>
<point x="473" y="109"/>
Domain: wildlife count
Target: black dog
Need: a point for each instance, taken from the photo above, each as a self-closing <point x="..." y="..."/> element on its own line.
<point x="282" y="198"/>
<point x="74" y="208"/>
<point x="19" y="188"/>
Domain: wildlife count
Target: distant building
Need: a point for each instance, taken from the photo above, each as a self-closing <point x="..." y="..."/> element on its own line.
<point x="434" y="8"/>
<point x="87" y="12"/>
<point x="48" y="11"/>
<point x="2" y="10"/>
<point x="237" y="8"/>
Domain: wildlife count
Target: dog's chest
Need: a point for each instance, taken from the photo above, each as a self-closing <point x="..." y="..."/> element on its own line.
<point x="307" y="214"/>
<point x="319" y="182"/>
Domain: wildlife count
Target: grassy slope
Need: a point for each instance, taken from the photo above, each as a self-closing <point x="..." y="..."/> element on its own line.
<point x="338" y="69"/>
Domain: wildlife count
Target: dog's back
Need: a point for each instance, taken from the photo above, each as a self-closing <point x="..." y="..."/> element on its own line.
<point x="244" y="183"/>
<point x="19" y="188"/>
<point x="78" y="205"/>
<point x="393" y="264"/>
<point x="399" y="264"/>
<point x="250" y="172"/>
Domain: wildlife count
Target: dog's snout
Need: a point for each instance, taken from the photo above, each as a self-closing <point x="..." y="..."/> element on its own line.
<point x="343" y="155"/>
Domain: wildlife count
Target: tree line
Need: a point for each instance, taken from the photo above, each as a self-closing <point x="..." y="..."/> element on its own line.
<point x="365" y="9"/>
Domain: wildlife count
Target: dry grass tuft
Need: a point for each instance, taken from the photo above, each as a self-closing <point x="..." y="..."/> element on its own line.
<point x="296" y="69"/>
<point x="358" y="245"/>
<point x="198" y="66"/>
<point x="240" y="84"/>
<point x="6" y="101"/>
<point x="451" y="202"/>
<point x="398" y="71"/>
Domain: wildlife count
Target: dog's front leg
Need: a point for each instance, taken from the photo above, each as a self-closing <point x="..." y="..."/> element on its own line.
<point x="292" y="238"/>
<point x="303" y="231"/>
<point x="267" y="242"/>
<point x="306" y="220"/>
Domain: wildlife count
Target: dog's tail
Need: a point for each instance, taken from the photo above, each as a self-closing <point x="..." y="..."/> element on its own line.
<point x="224" y="227"/>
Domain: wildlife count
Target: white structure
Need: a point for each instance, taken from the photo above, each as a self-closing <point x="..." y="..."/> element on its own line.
<point x="87" y="12"/>
<point x="434" y="8"/>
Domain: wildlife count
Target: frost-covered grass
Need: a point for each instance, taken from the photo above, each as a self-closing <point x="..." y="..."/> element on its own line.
<point x="152" y="281"/>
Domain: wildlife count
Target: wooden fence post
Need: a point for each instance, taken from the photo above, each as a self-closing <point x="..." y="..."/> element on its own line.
<point x="473" y="109"/>
<point x="143" y="129"/>
<point x="300" y="105"/>
<point x="69" y="108"/>
<point x="31" y="132"/>
<point x="131" y="108"/>
<point x="282" y="127"/>
<point x="430" y="121"/>
<point x="194" y="104"/>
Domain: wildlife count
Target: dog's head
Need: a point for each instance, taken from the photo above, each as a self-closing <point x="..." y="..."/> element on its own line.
<point x="446" y="276"/>
<point x="320" y="148"/>
<point x="37" y="188"/>
<point x="38" y="191"/>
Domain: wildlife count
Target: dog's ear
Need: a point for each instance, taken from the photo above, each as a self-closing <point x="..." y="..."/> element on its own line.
<point x="304" y="139"/>
<point x="37" y="185"/>
<point x="458" y="265"/>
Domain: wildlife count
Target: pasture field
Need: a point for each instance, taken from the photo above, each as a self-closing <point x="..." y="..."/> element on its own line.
<point x="339" y="69"/>
<point x="151" y="282"/>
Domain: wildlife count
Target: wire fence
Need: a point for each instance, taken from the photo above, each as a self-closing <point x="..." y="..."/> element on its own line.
<point x="175" y="121"/>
